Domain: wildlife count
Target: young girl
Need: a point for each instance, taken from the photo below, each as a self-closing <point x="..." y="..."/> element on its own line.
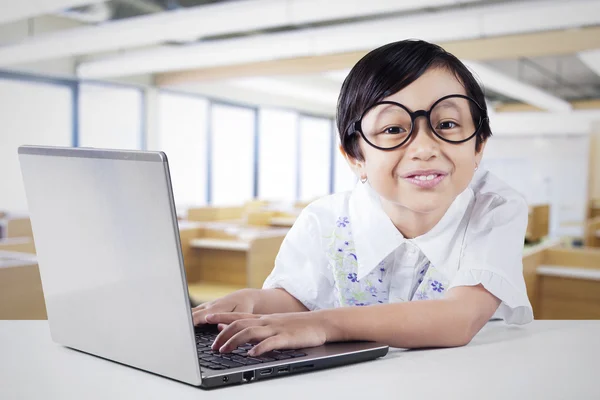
<point x="423" y="223"/>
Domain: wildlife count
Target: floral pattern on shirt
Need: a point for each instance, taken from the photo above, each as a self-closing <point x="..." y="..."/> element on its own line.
<point x="374" y="288"/>
<point x="349" y="290"/>
<point x="432" y="285"/>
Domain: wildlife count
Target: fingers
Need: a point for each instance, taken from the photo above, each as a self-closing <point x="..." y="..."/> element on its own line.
<point x="250" y="334"/>
<point x="228" y="318"/>
<point x="271" y="343"/>
<point x="199" y="316"/>
<point x="231" y="330"/>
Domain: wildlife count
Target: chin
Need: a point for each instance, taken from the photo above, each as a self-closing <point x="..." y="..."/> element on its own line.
<point x="424" y="207"/>
<point x="421" y="202"/>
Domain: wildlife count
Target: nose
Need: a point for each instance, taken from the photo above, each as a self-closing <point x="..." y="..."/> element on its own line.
<point x="423" y="144"/>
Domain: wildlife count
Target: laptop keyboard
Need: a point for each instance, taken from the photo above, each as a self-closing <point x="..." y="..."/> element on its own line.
<point x="238" y="357"/>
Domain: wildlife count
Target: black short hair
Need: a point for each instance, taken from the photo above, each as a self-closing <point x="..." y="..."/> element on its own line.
<point x="387" y="70"/>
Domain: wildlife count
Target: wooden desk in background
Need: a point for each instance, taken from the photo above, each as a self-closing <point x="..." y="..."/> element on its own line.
<point x="18" y="244"/>
<point x="553" y="296"/>
<point x="225" y="256"/>
<point x="566" y="292"/>
<point x="538" y="222"/>
<point x="21" y="295"/>
<point x="15" y="226"/>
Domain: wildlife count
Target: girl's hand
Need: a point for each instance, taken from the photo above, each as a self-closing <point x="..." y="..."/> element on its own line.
<point x="270" y="332"/>
<point x="242" y="301"/>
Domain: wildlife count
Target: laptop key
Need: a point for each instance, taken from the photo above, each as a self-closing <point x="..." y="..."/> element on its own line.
<point x="265" y="359"/>
<point x="241" y="360"/>
<point x="297" y="354"/>
<point x="252" y="361"/>
<point x="281" y="356"/>
<point x="229" y="363"/>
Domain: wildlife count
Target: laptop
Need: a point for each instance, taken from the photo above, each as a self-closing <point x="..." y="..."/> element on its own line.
<point x="107" y="240"/>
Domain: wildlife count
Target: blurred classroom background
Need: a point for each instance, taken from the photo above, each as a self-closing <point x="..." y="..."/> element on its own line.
<point x="241" y="96"/>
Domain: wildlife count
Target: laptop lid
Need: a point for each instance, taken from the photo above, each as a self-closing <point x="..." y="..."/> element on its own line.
<point x="107" y="241"/>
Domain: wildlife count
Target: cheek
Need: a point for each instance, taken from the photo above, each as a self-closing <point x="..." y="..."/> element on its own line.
<point x="381" y="165"/>
<point x="464" y="166"/>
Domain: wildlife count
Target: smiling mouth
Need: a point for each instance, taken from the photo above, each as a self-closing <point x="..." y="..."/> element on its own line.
<point x="426" y="181"/>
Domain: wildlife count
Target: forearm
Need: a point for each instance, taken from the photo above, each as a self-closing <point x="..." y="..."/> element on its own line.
<point x="272" y="301"/>
<point x="432" y="323"/>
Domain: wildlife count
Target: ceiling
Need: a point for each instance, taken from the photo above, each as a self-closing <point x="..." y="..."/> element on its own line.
<point x="305" y="47"/>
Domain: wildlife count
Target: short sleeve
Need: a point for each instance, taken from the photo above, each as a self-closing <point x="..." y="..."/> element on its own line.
<point x="493" y="255"/>
<point x="301" y="265"/>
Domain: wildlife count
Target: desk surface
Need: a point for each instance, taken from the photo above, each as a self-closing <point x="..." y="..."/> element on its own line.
<point x="569" y="272"/>
<point x="16" y="259"/>
<point x="220" y="244"/>
<point x="543" y="360"/>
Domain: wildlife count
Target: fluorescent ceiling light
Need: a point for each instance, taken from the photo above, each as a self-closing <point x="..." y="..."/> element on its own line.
<point x="482" y="21"/>
<point x="281" y="87"/>
<point x="515" y="89"/>
<point x="591" y="59"/>
<point x="187" y="24"/>
<point x="22" y="9"/>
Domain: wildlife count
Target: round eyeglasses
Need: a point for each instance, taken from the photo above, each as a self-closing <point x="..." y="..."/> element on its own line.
<point x="454" y="118"/>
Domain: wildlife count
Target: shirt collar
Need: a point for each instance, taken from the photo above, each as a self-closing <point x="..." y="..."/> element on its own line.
<point x="438" y="243"/>
<point x="375" y="236"/>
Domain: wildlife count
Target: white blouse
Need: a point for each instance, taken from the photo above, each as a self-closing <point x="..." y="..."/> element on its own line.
<point x="345" y="251"/>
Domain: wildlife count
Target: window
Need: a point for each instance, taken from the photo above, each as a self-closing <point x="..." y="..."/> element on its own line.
<point x="182" y="123"/>
<point x="277" y="161"/>
<point x="232" y="170"/>
<point x="315" y="157"/>
<point x="110" y="116"/>
<point x="31" y="113"/>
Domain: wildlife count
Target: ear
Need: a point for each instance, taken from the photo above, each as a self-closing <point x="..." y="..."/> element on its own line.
<point x="358" y="167"/>
<point x="479" y="154"/>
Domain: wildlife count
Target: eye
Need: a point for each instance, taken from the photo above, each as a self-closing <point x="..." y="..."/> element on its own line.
<point x="447" y="125"/>
<point x="394" y="130"/>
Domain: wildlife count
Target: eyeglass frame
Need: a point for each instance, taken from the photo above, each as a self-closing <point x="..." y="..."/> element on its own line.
<point x="357" y="125"/>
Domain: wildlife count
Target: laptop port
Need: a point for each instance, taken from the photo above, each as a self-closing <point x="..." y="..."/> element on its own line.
<point x="283" y="370"/>
<point x="248" y="376"/>
<point x="304" y="367"/>
<point x="264" y="372"/>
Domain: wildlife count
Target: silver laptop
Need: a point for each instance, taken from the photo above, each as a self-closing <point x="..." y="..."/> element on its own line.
<point x="107" y="240"/>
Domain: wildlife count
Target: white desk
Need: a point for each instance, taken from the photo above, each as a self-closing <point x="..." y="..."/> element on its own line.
<point x="543" y="360"/>
<point x="220" y="244"/>
<point x="569" y="272"/>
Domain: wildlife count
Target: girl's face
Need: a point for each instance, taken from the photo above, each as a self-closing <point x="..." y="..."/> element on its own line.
<point x="397" y="175"/>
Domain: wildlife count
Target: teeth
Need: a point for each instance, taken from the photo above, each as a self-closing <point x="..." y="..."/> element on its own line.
<point x="425" y="177"/>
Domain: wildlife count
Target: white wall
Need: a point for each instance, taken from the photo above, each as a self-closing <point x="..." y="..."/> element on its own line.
<point x="31" y="113"/>
<point x="549" y="169"/>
